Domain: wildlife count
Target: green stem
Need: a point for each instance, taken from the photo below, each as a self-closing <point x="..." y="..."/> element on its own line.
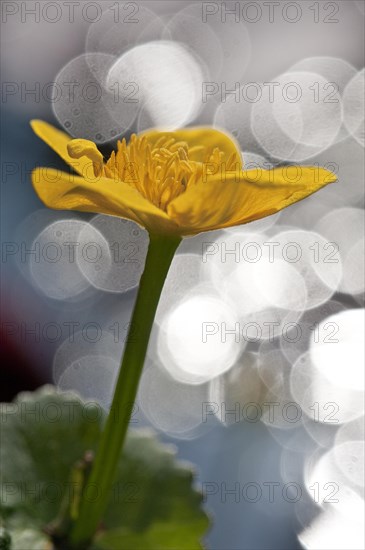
<point x="159" y="257"/>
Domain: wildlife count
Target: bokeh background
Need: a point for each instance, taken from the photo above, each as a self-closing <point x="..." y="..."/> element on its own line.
<point x="255" y="366"/>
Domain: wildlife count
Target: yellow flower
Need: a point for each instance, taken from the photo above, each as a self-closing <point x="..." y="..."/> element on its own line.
<point x="179" y="183"/>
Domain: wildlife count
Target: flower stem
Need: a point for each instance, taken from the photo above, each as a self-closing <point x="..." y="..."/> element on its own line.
<point x="159" y="257"/>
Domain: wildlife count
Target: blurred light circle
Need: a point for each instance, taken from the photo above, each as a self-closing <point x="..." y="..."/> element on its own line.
<point x="326" y="482"/>
<point x="351" y="221"/>
<point x="84" y="106"/>
<point x="122" y="27"/>
<point x="321" y="433"/>
<point x="335" y="70"/>
<point x="237" y="51"/>
<point x="320" y="398"/>
<point x="336" y="529"/>
<point x="166" y="81"/>
<point x="261" y="292"/>
<point x="112" y="253"/>
<point x="184" y="274"/>
<point x="194" y="342"/>
<point x="346" y="161"/>
<point x="223" y="255"/>
<point x="281" y="284"/>
<point x="197" y="243"/>
<point x="31" y="226"/>
<point x="349" y="457"/>
<point x="293" y="121"/>
<point x="197" y="37"/>
<point x="317" y="261"/>
<point x="345" y="227"/>
<point x="235" y="118"/>
<point x="164" y="402"/>
<point x="272" y="285"/>
<point x="351" y="431"/>
<point x="297" y="336"/>
<point x="91" y="340"/>
<point x="225" y="48"/>
<point x="53" y="266"/>
<point x="268" y="323"/>
<point x="353" y="281"/>
<point x="93" y="377"/>
<point x="94" y="256"/>
<point x="153" y="30"/>
<point x="354" y="107"/>
<point x="337" y="352"/>
<point x="318" y="134"/>
<point x="305" y="214"/>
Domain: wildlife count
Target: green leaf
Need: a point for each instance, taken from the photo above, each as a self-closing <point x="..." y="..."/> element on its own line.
<point x="45" y="437"/>
<point x="161" y="536"/>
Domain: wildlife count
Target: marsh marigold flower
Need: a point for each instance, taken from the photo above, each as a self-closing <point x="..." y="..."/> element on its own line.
<point x="179" y="183"/>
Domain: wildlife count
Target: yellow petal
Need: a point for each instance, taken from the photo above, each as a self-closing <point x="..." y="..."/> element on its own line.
<point x="201" y="138"/>
<point x="216" y="204"/>
<point x="63" y="191"/>
<point x="59" y="141"/>
<point x="78" y="148"/>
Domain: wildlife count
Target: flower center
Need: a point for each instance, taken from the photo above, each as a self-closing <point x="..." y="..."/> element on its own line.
<point x="159" y="172"/>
